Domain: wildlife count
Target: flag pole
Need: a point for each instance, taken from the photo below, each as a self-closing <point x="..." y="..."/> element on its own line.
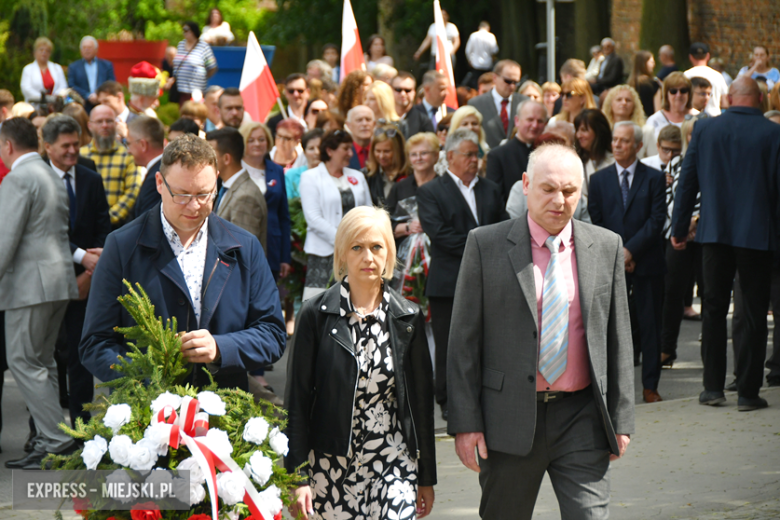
<point x="281" y="107"/>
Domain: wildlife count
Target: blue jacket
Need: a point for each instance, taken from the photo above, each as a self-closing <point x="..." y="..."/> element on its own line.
<point x="278" y="216"/>
<point x="240" y="304"/>
<point x="78" y="81"/>
<point x="641" y="224"/>
<point x="734" y="160"/>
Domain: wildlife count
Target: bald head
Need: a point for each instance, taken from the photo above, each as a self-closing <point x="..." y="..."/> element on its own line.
<point x="744" y="92"/>
<point x="666" y="55"/>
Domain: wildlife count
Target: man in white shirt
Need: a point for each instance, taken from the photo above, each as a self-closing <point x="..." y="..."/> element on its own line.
<point x="480" y="48"/>
<point x="699" y="55"/>
<point x="453" y="40"/>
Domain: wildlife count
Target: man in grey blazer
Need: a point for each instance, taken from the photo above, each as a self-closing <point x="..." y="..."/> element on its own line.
<point x="36" y="281"/>
<point x="540" y="372"/>
<point x="239" y="201"/>
<point x="499" y="106"/>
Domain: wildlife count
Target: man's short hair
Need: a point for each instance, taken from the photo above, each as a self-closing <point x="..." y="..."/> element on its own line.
<point x="607" y="41"/>
<point x="488" y="78"/>
<point x="184" y="125"/>
<point x="430" y="77"/>
<point x="356" y="109"/>
<point x="86" y="39"/>
<point x="21" y="132"/>
<point x="502" y="64"/>
<point x="57" y="125"/>
<point x="229" y="141"/>
<point x="700" y="82"/>
<point x="111" y="87"/>
<point x="190" y="151"/>
<point x="295" y="76"/>
<point x="6" y="99"/>
<point x="574" y="68"/>
<point x="230" y="91"/>
<point x="402" y="74"/>
<point x="455" y="138"/>
<point x="527" y="102"/>
<point x="149" y="129"/>
<point x="637" y="130"/>
<point x="213" y="89"/>
<point x="330" y="46"/>
<point x="484" y="25"/>
<point x="670" y="134"/>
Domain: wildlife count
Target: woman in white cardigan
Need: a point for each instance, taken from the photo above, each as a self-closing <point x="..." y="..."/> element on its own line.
<point x="328" y="192"/>
<point x="42" y="75"/>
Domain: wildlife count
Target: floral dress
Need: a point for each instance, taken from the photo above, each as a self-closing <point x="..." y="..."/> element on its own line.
<point x="377" y="479"/>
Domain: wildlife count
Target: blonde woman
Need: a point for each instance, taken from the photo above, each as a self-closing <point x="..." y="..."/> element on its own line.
<point x="379" y="98"/>
<point x="42" y="75"/>
<point x="577" y="96"/>
<point x="386" y="163"/>
<point x="551" y="91"/>
<point x="623" y="104"/>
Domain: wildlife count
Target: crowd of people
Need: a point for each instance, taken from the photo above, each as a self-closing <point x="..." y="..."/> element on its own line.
<point x="216" y="214"/>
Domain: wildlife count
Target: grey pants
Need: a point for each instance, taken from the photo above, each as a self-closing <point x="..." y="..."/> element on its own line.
<point x="571" y="446"/>
<point x="30" y="334"/>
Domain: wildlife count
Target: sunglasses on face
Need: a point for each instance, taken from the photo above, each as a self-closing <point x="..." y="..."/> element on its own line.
<point x="185" y="29"/>
<point x="391" y="130"/>
<point x="674" y="91"/>
<point x="510" y="81"/>
<point x="569" y="95"/>
<point x="407" y="90"/>
<point x="296" y="90"/>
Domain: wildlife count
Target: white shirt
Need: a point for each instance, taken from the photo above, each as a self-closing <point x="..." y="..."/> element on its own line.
<point x="631" y="169"/>
<point x="480" y="48"/>
<point x="192" y="260"/>
<point x="78" y="254"/>
<point x="452" y="33"/>
<point x="257" y="175"/>
<point x="144" y="170"/>
<point x="122" y="117"/>
<point x="654" y="161"/>
<point x="22" y="158"/>
<point x="468" y="193"/>
<point x="497" y="99"/>
<point x="150" y="163"/>
<point x="228" y="183"/>
<point x="429" y="107"/>
<point x="719" y="87"/>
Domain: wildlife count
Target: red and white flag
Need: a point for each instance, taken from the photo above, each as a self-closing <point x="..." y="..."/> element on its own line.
<point x="443" y="60"/>
<point x="257" y="83"/>
<point x="351" y="50"/>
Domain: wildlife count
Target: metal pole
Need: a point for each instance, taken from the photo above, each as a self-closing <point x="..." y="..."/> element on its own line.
<point x="550" y="40"/>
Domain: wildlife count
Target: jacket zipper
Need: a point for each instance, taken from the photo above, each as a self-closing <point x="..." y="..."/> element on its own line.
<point x="411" y="415"/>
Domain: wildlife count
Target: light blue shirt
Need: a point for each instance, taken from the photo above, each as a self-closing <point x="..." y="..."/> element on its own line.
<point x="92" y="73"/>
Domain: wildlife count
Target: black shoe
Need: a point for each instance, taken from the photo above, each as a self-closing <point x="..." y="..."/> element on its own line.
<point x="745" y="404"/>
<point x="731" y="387"/>
<point x="30" y="442"/>
<point x="30" y="461"/>
<point x="772" y="382"/>
<point x="711" y="398"/>
<point x="444" y="411"/>
<point x="269" y="368"/>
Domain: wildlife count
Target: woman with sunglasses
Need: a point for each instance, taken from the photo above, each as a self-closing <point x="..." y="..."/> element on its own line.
<point x="577" y="96"/>
<point x="386" y="163"/>
<point x="313" y="109"/>
<point x="288" y="152"/>
<point x="676" y="104"/>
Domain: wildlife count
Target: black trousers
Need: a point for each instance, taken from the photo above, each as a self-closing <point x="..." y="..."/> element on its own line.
<point x="648" y="295"/>
<point x="441" y="317"/>
<point x="720" y="263"/>
<point x="81" y="388"/>
<point x="680" y="273"/>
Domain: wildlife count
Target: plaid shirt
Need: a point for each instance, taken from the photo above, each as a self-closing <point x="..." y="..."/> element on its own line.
<point x="121" y="179"/>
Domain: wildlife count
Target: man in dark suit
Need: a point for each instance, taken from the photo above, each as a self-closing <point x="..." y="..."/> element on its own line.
<point x="361" y="123"/>
<point x="629" y="198"/>
<point x="539" y="370"/>
<point x="88" y="73"/>
<point x="611" y="72"/>
<point x="432" y="108"/>
<point x="412" y="121"/>
<point x="498" y="105"/>
<point x="146" y="142"/>
<point x="449" y="207"/>
<point x="88" y="229"/>
<point x="737" y="230"/>
<point x="208" y="274"/>
<point x="507" y="163"/>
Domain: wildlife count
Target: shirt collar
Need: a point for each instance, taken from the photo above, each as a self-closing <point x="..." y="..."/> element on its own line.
<point x="61" y="173"/>
<point x="173" y="237"/>
<point x="123" y="115"/>
<point x="539" y="235"/>
<point x="361" y="149"/>
<point x="150" y="163"/>
<point x="228" y="183"/>
<point x="631" y="169"/>
<point x="460" y="182"/>
<point x="497" y="97"/>
<point x="428" y="106"/>
<point x="23" y="157"/>
<point x="252" y="169"/>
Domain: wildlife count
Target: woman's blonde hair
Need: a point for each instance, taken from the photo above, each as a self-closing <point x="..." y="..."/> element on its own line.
<point x="462" y="113"/>
<point x="194" y="110"/>
<point x="579" y="87"/>
<point x="359" y="220"/>
<point x="43" y="40"/>
<point x="427" y="138"/>
<point x="676" y="80"/>
<point x="637" y="116"/>
<point x="686" y="130"/>
<point x="550" y="86"/>
<point x="384" y="98"/>
<point x="247" y="129"/>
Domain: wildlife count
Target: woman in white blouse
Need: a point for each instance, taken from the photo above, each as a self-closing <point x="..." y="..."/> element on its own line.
<point x="42" y="75"/>
<point x="328" y="192"/>
<point x="217" y="30"/>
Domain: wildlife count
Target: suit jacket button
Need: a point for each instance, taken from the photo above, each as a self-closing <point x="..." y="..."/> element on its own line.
<point x="534" y="334"/>
<point x="530" y="379"/>
<point x="408" y="329"/>
<point x="334" y="331"/>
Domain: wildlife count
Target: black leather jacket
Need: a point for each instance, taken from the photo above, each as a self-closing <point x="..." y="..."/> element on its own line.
<point x="322" y="377"/>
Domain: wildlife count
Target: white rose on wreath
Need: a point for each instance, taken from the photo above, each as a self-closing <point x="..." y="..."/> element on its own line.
<point x="219" y="442"/>
<point x="271" y="499"/>
<point x="197" y="493"/>
<point x="165" y="399"/>
<point x="159" y="435"/>
<point x="256" y="430"/>
<point x="93" y="451"/>
<point x="279" y="442"/>
<point x="191" y="465"/>
<point x="259" y="468"/>
<point x="119" y="449"/>
<point x="230" y="488"/>
<point x="142" y="456"/>
<point x="211" y="403"/>
<point x="117" y="416"/>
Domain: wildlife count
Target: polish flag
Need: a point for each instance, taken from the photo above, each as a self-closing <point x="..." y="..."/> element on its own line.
<point x="351" y="50"/>
<point x="257" y="83"/>
<point x="443" y="61"/>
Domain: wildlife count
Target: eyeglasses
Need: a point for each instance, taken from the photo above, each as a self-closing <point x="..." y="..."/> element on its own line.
<point x="509" y="81"/>
<point x="419" y="155"/>
<point x="468" y="155"/>
<point x="569" y="95"/>
<point x="674" y="91"/>
<point x="280" y="137"/>
<point x="184" y="199"/>
<point x="315" y="111"/>
<point x="673" y="151"/>
<point x="389" y="132"/>
<point x="103" y="121"/>
<point x="407" y="90"/>
<point x="296" y="90"/>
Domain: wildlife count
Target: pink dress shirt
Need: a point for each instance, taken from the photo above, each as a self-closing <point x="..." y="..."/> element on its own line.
<point x="577" y="373"/>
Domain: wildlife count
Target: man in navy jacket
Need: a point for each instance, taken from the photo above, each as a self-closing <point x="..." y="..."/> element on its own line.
<point x="629" y="198"/>
<point x="88" y="73"/>
<point x="734" y="161"/>
<point x="210" y="275"/>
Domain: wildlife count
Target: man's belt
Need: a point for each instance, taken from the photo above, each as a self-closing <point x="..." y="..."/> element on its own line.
<point x="547" y="397"/>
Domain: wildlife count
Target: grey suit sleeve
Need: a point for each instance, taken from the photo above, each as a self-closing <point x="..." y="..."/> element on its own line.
<point x="464" y="356"/>
<point x="14" y="210"/>
<point x="620" y="352"/>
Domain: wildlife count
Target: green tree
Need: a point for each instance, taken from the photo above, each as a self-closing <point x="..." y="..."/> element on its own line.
<point x="665" y="22"/>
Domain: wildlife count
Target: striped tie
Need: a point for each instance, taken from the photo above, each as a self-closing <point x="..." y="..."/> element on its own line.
<point x="555" y="317"/>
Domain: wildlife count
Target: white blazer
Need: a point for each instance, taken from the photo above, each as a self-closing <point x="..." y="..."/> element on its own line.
<point x="32" y="81"/>
<point x="321" y="203"/>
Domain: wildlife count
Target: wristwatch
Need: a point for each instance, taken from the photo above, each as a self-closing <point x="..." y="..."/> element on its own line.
<point x="407" y="228"/>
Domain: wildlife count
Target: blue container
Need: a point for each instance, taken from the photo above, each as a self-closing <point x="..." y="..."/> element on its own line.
<point x="230" y="61"/>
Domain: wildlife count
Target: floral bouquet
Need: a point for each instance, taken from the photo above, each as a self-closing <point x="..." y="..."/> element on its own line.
<point x="150" y="421"/>
<point x="411" y="269"/>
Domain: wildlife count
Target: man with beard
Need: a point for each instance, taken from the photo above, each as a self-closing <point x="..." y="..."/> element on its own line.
<point x="121" y="178"/>
<point x="231" y="107"/>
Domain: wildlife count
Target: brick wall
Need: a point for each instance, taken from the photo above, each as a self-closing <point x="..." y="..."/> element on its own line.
<point x="730" y="27"/>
